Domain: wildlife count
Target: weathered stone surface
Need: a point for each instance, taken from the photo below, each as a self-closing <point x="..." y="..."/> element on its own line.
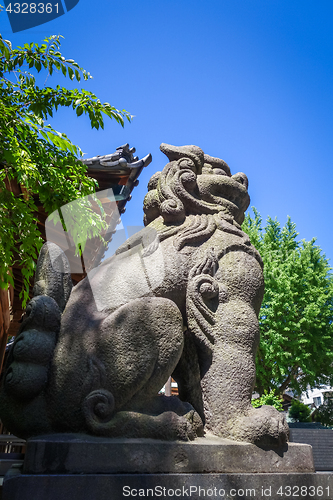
<point x="180" y="297"/>
<point x="77" y="453"/>
<point x="169" y="486"/>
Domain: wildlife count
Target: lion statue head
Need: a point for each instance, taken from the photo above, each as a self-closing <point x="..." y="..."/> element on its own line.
<point x="195" y="183"/>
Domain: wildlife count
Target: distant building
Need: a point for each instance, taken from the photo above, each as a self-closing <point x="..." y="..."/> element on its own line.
<point x="316" y="397"/>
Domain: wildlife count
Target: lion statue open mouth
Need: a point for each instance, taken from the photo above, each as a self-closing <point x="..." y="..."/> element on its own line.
<point x="180" y="298"/>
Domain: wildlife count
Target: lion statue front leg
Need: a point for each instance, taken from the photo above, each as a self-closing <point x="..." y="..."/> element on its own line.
<point x="222" y="307"/>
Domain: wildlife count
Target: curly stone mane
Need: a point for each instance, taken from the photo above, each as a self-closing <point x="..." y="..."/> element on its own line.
<point x="173" y="205"/>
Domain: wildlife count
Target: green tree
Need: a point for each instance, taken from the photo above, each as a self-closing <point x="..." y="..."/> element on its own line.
<point x="296" y="316"/>
<point x="41" y="160"/>
<point x="299" y="412"/>
<point x="324" y="413"/>
<point x="269" y="399"/>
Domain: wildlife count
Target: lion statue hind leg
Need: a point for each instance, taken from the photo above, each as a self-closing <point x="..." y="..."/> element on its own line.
<point x="115" y="379"/>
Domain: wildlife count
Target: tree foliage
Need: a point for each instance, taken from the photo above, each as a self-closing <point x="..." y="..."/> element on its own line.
<point x="41" y="160"/>
<point x="299" y="412"/>
<point x="296" y="316"/>
<point x="324" y="413"/>
<point x="269" y="399"/>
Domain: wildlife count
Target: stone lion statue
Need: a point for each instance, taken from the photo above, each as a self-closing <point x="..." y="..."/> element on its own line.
<point x="180" y="298"/>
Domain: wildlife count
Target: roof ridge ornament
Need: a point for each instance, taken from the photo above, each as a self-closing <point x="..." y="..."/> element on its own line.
<point x="122" y="160"/>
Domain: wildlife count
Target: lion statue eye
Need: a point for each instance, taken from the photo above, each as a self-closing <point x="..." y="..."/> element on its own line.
<point x="219" y="171"/>
<point x="208" y="169"/>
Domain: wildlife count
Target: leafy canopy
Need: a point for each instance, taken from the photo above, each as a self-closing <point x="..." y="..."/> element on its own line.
<point x="42" y="161"/>
<point x="269" y="399"/>
<point x="296" y="316"/>
<point x="299" y="412"/>
<point x="324" y="413"/>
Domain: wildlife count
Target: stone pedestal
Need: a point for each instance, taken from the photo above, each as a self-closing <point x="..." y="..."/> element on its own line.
<point x="168" y="486"/>
<point x="80" y="453"/>
<point x="80" y="467"/>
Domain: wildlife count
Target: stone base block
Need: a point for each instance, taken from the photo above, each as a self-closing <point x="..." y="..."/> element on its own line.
<point x="276" y="486"/>
<point x="77" y="454"/>
<point x="81" y="467"/>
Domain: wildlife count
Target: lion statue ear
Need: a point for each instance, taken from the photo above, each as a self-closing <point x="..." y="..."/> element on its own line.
<point x="152" y="184"/>
<point x="217" y="163"/>
<point x="151" y="207"/>
<point x="168" y="190"/>
<point x="194" y="153"/>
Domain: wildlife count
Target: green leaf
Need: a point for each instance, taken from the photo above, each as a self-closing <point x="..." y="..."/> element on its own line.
<point x="296" y="315"/>
<point x="36" y="156"/>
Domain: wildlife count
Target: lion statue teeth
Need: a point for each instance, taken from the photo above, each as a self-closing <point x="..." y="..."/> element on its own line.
<point x="180" y="298"/>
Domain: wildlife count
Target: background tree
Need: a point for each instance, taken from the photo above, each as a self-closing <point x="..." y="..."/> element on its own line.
<point x="296" y="316"/>
<point x="324" y="413"/>
<point x="269" y="399"/>
<point x="41" y="160"/>
<point x="299" y="412"/>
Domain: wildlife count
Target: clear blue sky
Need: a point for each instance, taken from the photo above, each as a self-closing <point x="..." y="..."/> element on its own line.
<point x="249" y="81"/>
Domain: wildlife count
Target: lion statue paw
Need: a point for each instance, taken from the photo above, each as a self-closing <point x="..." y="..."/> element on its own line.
<point x="263" y="426"/>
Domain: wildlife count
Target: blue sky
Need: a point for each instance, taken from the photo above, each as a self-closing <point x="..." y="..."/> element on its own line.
<point x="249" y="81"/>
